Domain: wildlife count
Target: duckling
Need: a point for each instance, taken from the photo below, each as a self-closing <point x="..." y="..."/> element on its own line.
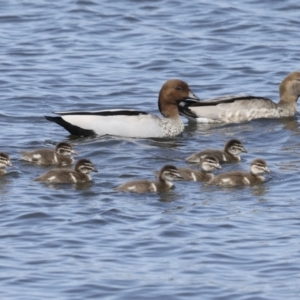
<point x="61" y="156"/>
<point x="132" y="123"/>
<point x="240" y="178"/>
<point x="4" y="162"/>
<point x="241" y="108"/>
<point x="80" y="174"/>
<point x="166" y="175"/>
<point x="231" y="153"/>
<point x="208" y="164"/>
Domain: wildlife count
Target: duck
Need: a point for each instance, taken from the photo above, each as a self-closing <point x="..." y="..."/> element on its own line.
<point x="242" y="108"/>
<point x="80" y="174"/>
<point x="167" y="174"/>
<point x="239" y="178"/>
<point x="4" y="162"/>
<point x="131" y="123"/>
<point x="231" y="153"/>
<point x="208" y="164"/>
<point x="61" y="156"/>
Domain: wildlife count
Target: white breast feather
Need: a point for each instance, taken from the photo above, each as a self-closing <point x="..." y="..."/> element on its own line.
<point x="36" y="156"/>
<point x="52" y="178"/>
<point x="169" y="183"/>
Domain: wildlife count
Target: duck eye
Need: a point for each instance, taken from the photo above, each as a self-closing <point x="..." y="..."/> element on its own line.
<point x="179" y="88"/>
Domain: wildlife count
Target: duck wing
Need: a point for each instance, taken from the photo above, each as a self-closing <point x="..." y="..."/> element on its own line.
<point x="230" y="108"/>
<point x="119" y="122"/>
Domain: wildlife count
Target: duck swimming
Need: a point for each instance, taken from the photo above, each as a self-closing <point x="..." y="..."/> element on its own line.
<point x="208" y="164"/>
<point x="241" y="108"/>
<point x="239" y="178"/>
<point x="132" y="123"/>
<point x="164" y="183"/>
<point x="231" y="153"/>
<point x="4" y="162"/>
<point x="80" y="174"/>
<point x="61" y="156"/>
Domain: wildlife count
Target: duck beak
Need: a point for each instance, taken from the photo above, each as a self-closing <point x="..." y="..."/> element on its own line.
<point x="95" y="169"/>
<point x="244" y="150"/>
<point x="267" y="169"/>
<point x="74" y="152"/>
<point x="219" y="166"/>
<point x="9" y="164"/>
<point x="192" y="96"/>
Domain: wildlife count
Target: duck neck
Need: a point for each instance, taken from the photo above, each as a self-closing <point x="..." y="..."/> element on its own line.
<point x="168" y="110"/>
<point x="3" y="171"/>
<point x="288" y="104"/>
<point x="164" y="183"/>
<point x="257" y="177"/>
<point x="234" y="157"/>
<point x="206" y="175"/>
<point x="288" y="98"/>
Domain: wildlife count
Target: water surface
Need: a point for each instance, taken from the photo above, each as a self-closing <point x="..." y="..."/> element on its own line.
<point x="194" y="242"/>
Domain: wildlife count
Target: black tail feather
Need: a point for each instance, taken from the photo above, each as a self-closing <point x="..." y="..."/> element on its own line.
<point x="73" y="129"/>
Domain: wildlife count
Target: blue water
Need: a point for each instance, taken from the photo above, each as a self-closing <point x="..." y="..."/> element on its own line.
<point x="194" y="242"/>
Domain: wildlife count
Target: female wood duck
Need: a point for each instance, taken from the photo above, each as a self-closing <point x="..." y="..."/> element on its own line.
<point x="241" y="108"/>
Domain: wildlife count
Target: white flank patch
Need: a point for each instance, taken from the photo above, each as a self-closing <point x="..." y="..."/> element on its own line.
<point x="131" y="188"/>
<point x="246" y="180"/>
<point x="226" y="180"/>
<point x="52" y="178"/>
<point x="224" y="158"/>
<point x="73" y="178"/>
<point x="36" y="156"/>
<point x="154" y="187"/>
<point x="193" y="176"/>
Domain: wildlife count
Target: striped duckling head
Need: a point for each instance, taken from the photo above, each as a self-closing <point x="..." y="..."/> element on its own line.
<point x="234" y="147"/>
<point x="209" y="163"/>
<point x="5" y="160"/>
<point x="85" y="166"/>
<point x="65" y="149"/>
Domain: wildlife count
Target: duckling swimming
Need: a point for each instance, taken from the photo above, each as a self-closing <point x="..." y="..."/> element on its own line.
<point x="4" y="162"/>
<point x="80" y="174"/>
<point x="231" y="153"/>
<point x="166" y="175"/>
<point x="61" y="156"/>
<point x="239" y="178"/>
<point x="208" y="165"/>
